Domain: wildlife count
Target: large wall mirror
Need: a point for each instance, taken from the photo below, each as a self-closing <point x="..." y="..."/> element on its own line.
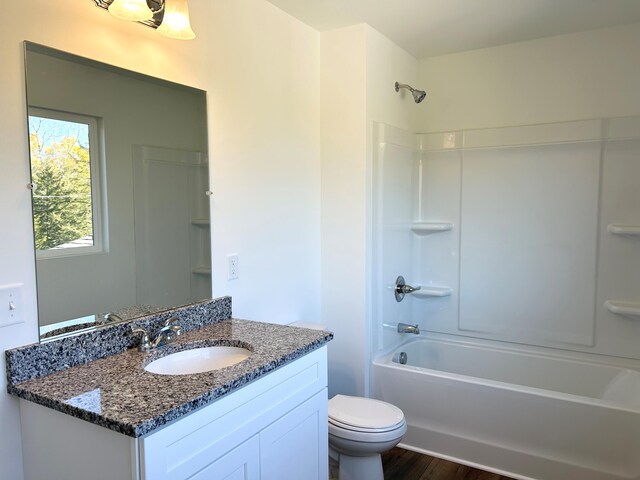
<point x="119" y="188"/>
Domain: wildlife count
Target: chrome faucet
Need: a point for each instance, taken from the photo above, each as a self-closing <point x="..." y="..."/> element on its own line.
<point x="406" y="328"/>
<point x="401" y="288"/>
<point x="167" y="334"/>
<point x="112" y="317"/>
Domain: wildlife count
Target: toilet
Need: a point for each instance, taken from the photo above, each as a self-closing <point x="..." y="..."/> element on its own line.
<point x="360" y="429"/>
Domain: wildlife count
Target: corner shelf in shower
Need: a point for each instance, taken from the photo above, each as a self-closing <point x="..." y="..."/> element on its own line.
<point x="633" y="230"/>
<point x="426" y="228"/>
<point x="623" y="308"/>
<point x="432" y="291"/>
<point x="201" y="270"/>
<point x="201" y="222"/>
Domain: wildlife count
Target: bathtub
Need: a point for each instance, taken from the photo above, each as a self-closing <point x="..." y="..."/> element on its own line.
<point x="521" y="414"/>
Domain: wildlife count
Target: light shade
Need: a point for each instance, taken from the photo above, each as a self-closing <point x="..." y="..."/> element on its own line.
<point x="134" y="10"/>
<point x="175" y="23"/>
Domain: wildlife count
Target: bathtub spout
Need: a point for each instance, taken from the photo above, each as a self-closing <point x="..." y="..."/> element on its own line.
<point x="405" y="328"/>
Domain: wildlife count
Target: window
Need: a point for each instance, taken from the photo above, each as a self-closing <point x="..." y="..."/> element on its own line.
<point x="65" y="176"/>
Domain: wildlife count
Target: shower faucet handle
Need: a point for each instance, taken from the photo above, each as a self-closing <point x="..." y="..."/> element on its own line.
<point x="408" y="288"/>
<point x="402" y="288"/>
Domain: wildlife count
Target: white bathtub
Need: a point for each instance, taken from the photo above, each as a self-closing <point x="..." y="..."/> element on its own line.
<point x="524" y="415"/>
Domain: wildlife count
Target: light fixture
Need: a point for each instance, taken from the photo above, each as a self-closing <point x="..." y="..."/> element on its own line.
<point x="175" y="23"/>
<point x="134" y="10"/>
<point x="169" y="17"/>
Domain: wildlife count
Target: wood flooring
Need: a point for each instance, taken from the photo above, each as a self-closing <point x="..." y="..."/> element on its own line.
<point x="400" y="464"/>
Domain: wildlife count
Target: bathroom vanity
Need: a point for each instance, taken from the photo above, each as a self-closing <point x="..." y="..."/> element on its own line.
<point x="276" y="427"/>
<point x="262" y="418"/>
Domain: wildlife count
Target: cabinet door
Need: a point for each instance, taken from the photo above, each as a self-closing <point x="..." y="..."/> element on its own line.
<point x="241" y="463"/>
<point x="295" y="446"/>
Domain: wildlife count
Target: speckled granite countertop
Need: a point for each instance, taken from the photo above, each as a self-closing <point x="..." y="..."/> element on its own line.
<point x="117" y="393"/>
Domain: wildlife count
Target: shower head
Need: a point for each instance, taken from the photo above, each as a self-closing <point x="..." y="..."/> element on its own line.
<point x="418" y="95"/>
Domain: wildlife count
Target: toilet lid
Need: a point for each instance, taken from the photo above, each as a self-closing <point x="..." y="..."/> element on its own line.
<point x="364" y="413"/>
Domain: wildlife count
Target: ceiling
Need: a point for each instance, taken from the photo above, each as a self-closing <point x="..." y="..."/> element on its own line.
<point x="427" y="28"/>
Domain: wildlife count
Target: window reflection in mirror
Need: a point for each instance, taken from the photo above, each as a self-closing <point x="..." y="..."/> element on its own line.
<point x="65" y="176"/>
<point x="119" y="175"/>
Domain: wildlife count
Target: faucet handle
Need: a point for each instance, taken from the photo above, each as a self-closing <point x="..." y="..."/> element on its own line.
<point x="173" y="329"/>
<point x="171" y="320"/>
<point x="112" y="317"/>
<point x="145" y="341"/>
<point x="401" y="288"/>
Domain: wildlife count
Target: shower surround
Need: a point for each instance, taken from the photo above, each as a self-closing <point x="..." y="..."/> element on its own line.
<point x="522" y="237"/>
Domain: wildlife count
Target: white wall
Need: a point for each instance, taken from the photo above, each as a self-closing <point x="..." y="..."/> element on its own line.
<point x="260" y="69"/>
<point x="343" y="146"/>
<point x="359" y="67"/>
<point x="585" y="75"/>
<point x="264" y="139"/>
<point x="387" y="63"/>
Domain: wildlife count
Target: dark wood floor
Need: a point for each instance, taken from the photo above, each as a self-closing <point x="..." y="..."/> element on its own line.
<point x="402" y="464"/>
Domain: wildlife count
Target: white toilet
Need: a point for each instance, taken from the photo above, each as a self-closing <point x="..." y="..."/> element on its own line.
<point x="360" y="429"/>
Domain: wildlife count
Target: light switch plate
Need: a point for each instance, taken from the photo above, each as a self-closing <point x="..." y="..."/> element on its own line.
<point x="11" y="305"/>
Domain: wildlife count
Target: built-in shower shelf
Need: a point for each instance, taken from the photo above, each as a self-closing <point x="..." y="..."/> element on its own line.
<point x="432" y="291"/>
<point x="201" y="222"/>
<point x="426" y="228"/>
<point x="624" y="229"/>
<point x="201" y="270"/>
<point x="623" y="308"/>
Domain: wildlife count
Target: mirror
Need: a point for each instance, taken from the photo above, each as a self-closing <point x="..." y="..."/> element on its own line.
<point x="119" y="190"/>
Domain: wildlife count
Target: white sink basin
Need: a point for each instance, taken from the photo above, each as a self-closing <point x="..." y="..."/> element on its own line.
<point x="198" y="360"/>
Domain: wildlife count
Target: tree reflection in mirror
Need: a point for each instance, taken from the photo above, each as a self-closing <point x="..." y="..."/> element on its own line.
<point x="64" y="173"/>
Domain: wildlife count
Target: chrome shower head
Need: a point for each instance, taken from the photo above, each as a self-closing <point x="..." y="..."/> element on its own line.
<point x="418" y="95"/>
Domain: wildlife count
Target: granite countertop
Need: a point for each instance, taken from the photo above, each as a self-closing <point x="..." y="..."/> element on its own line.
<point x="117" y="393"/>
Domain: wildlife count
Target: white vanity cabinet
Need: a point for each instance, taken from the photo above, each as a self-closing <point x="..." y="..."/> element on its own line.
<point x="273" y="428"/>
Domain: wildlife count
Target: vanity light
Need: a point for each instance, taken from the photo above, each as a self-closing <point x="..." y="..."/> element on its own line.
<point x="175" y="23"/>
<point x="134" y="10"/>
<point x="169" y="17"/>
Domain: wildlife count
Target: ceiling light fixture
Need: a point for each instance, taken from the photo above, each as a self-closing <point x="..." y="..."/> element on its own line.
<point x="169" y="17"/>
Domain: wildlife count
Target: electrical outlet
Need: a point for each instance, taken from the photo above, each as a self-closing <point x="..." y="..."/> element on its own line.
<point x="11" y="305"/>
<point x="234" y="266"/>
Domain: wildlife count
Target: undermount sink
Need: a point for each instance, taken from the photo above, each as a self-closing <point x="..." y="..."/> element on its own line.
<point x="198" y="360"/>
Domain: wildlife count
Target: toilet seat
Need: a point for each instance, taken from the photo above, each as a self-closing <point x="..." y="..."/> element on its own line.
<point x="353" y="428"/>
<point x="365" y="419"/>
